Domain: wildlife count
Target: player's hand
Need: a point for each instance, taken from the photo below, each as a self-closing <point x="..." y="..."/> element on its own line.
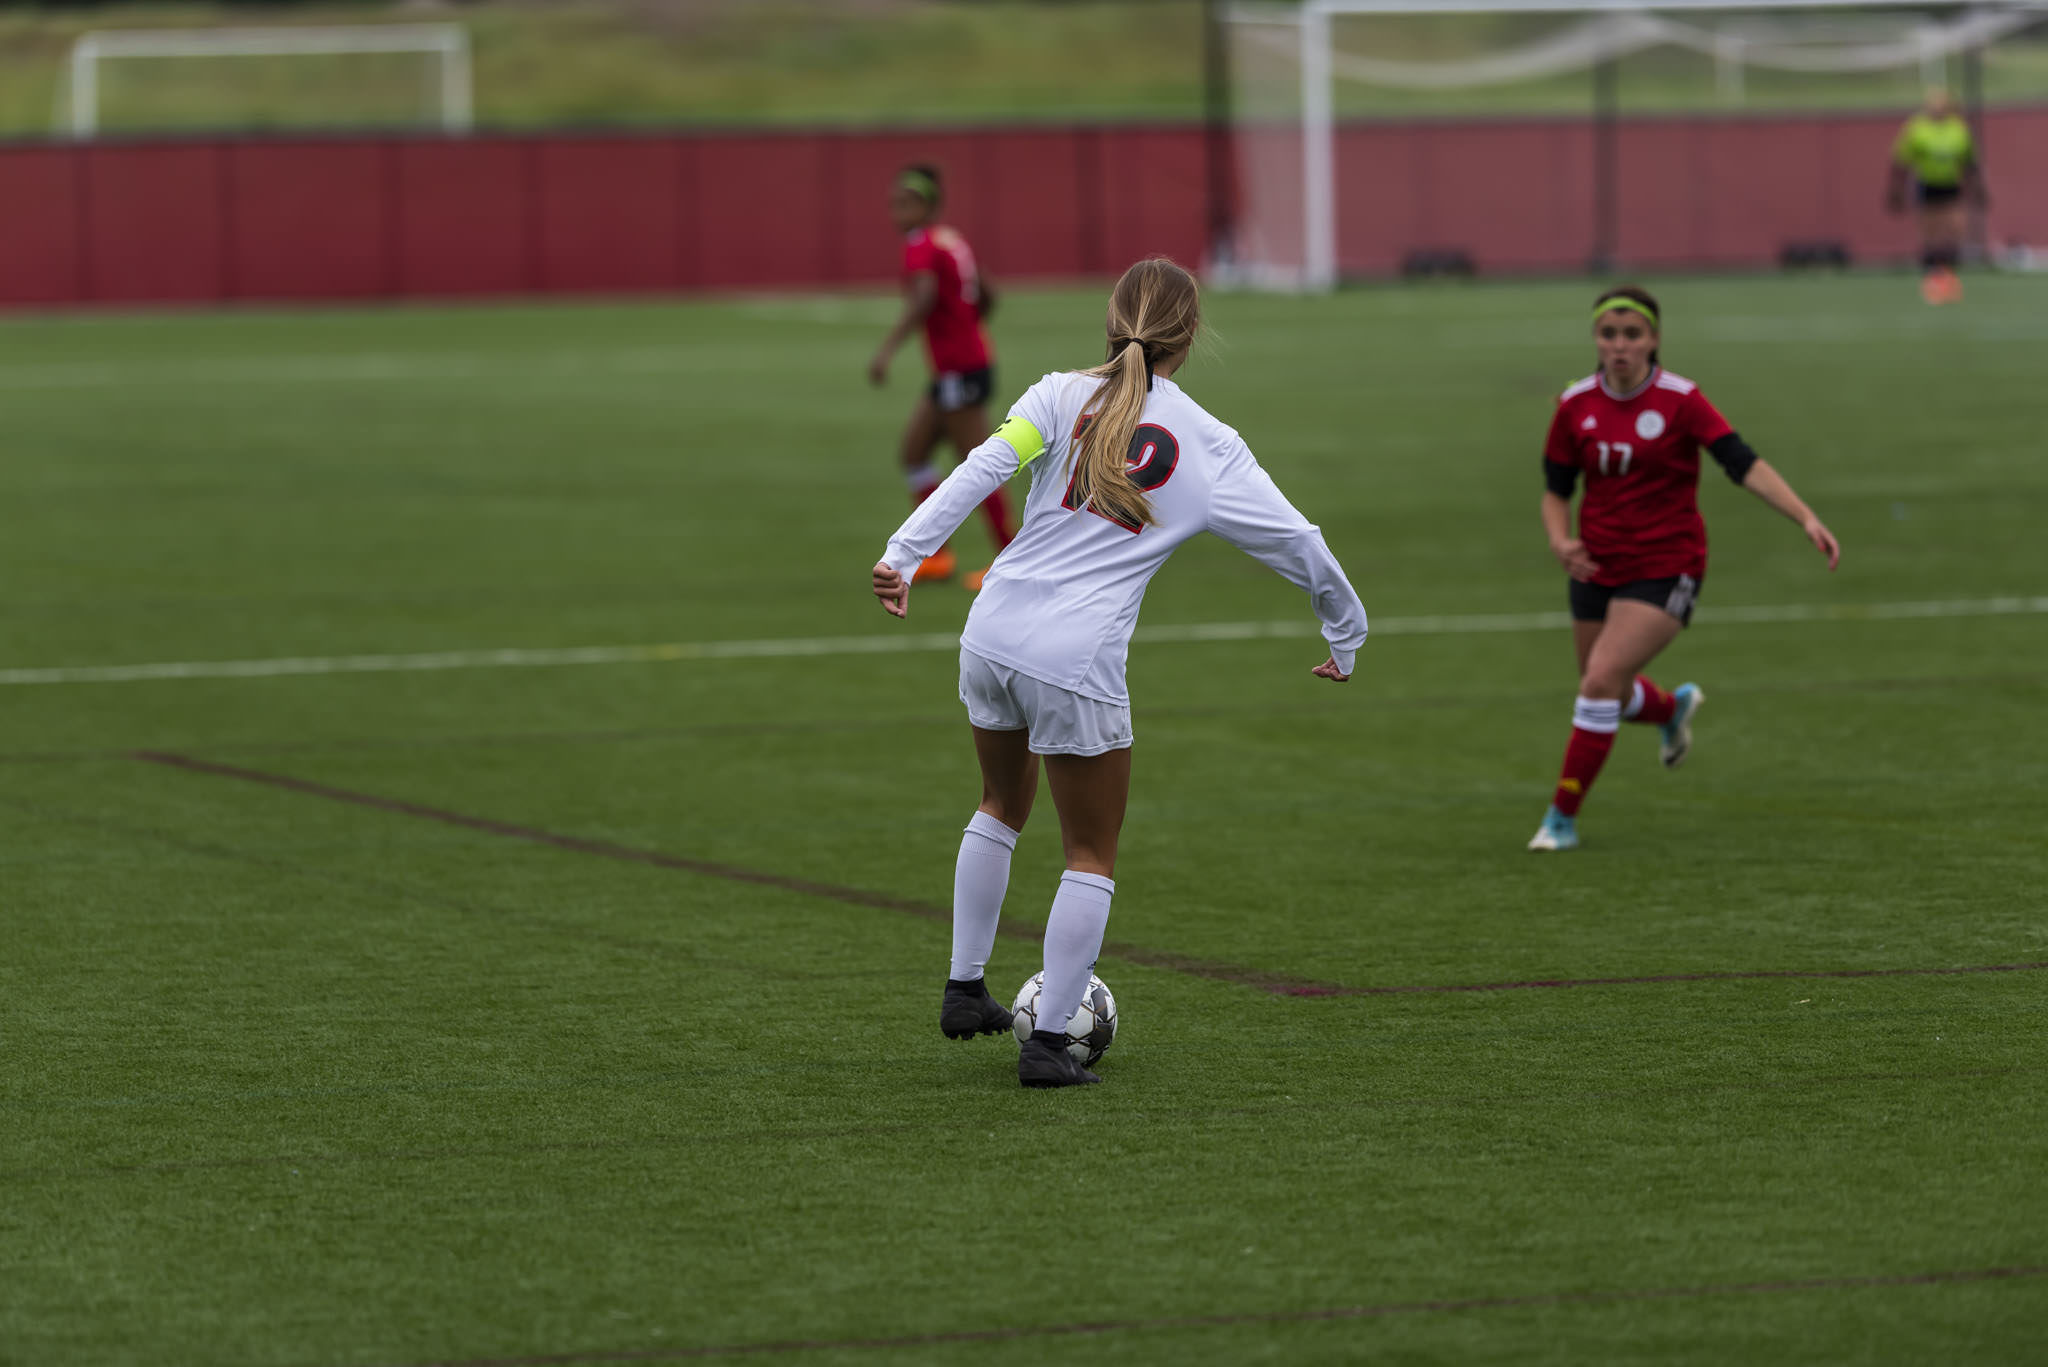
<point x="1572" y="555"/>
<point x="1328" y="670"/>
<point x="878" y="369"/>
<point x="890" y="588"/>
<point x="1823" y="540"/>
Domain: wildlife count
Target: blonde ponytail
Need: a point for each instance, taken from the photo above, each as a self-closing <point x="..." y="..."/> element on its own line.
<point x="1153" y="313"/>
<point x="1101" y="480"/>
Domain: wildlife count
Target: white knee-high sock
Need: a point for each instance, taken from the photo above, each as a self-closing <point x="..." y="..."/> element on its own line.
<point x="1073" y="941"/>
<point x="980" y="878"/>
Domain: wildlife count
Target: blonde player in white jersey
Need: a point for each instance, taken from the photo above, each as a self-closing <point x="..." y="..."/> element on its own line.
<point x="1125" y="467"/>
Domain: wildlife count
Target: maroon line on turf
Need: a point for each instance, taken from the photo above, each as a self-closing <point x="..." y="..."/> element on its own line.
<point x="1279" y="984"/>
<point x="1178" y="963"/>
<point x="686" y="955"/>
<point x="1333" y="1313"/>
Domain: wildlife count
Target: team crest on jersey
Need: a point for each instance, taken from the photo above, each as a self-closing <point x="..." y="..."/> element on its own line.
<point x="1589" y="424"/>
<point x="1649" y="424"/>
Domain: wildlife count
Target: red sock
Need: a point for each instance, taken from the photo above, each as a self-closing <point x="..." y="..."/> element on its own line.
<point x="997" y="506"/>
<point x="1656" y="707"/>
<point x="1582" y="761"/>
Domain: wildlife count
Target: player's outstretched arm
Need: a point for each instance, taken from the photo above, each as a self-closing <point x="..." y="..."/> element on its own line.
<point x="987" y="467"/>
<point x="1248" y="510"/>
<point x="918" y="299"/>
<point x="1770" y="486"/>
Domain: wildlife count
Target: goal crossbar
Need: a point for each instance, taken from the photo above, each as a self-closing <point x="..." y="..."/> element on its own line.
<point x="448" y="42"/>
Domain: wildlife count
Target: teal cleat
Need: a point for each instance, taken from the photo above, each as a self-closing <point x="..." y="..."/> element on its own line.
<point x="1677" y="732"/>
<point x="1558" y="832"/>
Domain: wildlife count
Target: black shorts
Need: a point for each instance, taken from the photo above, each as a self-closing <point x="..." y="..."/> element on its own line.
<point x="1934" y="196"/>
<point x="1675" y="595"/>
<point x="955" y="390"/>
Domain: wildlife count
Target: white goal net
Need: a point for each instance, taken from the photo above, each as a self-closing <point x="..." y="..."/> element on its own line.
<point x="1372" y="137"/>
<point x="328" y="77"/>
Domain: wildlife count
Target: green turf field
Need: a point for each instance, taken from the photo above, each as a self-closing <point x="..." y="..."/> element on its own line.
<point x="458" y="1009"/>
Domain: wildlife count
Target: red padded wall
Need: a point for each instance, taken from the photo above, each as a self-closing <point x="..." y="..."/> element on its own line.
<point x="768" y="210"/>
<point x="2016" y="172"/>
<point x="310" y="221"/>
<point x="432" y="217"/>
<point x="155" y="225"/>
<point x="1150" y="196"/>
<point x="610" y="214"/>
<point x="1856" y="152"/>
<point x="41" y="261"/>
<point x="1032" y="223"/>
<point x="1670" y="206"/>
<point x="1514" y="196"/>
<point x="467" y="220"/>
<point x="1720" y="192"/>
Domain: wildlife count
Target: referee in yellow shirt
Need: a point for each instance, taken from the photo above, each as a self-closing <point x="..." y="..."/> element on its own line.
<point x="1935" y="151"/>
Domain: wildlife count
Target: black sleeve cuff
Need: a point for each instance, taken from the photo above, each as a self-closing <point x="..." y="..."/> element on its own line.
<point x="1734" y="456"/>
<point x="1560" y="479"/>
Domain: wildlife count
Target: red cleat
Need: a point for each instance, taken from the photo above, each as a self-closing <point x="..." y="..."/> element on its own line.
<point x="939" y="565"/>
<point x="1941" y="287"/>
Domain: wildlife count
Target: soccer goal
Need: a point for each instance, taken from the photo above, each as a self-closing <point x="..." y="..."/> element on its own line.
<point x="440" y="97"/>
<point x="1372" y="137"/>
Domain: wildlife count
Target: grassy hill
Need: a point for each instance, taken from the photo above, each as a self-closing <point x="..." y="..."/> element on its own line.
<point x="625" y="62"/>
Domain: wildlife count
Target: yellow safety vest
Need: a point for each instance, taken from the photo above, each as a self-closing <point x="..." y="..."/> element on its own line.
<point x="1937" y="151"/>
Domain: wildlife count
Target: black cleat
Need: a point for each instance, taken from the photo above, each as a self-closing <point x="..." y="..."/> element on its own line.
<point x="968" y="1010"/>
<point x="1045" y="1062"/>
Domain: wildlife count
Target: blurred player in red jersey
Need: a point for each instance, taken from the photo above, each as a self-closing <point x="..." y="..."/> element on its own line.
<point x="945" y="295"/>
<point x="1635" y="431"/>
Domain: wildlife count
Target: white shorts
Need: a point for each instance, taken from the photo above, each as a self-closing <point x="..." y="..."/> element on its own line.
<point x="1060" y="722"/>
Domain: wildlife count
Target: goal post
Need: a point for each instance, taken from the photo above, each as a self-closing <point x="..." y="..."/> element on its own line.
<point x="446" y="44"/>
<point x="1288" y="229"/>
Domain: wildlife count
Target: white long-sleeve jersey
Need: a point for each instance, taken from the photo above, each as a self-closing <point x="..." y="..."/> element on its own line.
<point x="1062" y="599"/>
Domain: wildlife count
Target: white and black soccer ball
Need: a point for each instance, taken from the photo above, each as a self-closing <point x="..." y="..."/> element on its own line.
<point x="1093" y="1028"/>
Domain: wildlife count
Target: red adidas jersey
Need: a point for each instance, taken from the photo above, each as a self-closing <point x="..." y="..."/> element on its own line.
<point x="953" y="335"/>
<point x="1640" y="456"/>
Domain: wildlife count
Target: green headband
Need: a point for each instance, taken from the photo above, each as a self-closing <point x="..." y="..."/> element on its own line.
<point x="919" y="184"/>
<point x="1624" y="302"/>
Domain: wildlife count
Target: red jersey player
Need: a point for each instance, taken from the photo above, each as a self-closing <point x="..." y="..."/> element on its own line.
<point x="1634" y="431"/>
<point x="944" y="293"/>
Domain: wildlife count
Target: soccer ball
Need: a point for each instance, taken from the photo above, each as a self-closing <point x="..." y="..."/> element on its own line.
<point x="1093" y="1028"/>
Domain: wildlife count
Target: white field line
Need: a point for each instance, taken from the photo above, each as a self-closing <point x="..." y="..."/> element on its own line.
<point x="385" y="367"/>
<point x="1460" y="624"/>
<point x="368" y="368"/>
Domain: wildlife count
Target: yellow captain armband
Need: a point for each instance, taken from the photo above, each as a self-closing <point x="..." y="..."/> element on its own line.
<point x="1024" y="439"/>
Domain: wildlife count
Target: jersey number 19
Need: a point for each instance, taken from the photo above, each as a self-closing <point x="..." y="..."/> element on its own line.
<point x="1150" y="461"/>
